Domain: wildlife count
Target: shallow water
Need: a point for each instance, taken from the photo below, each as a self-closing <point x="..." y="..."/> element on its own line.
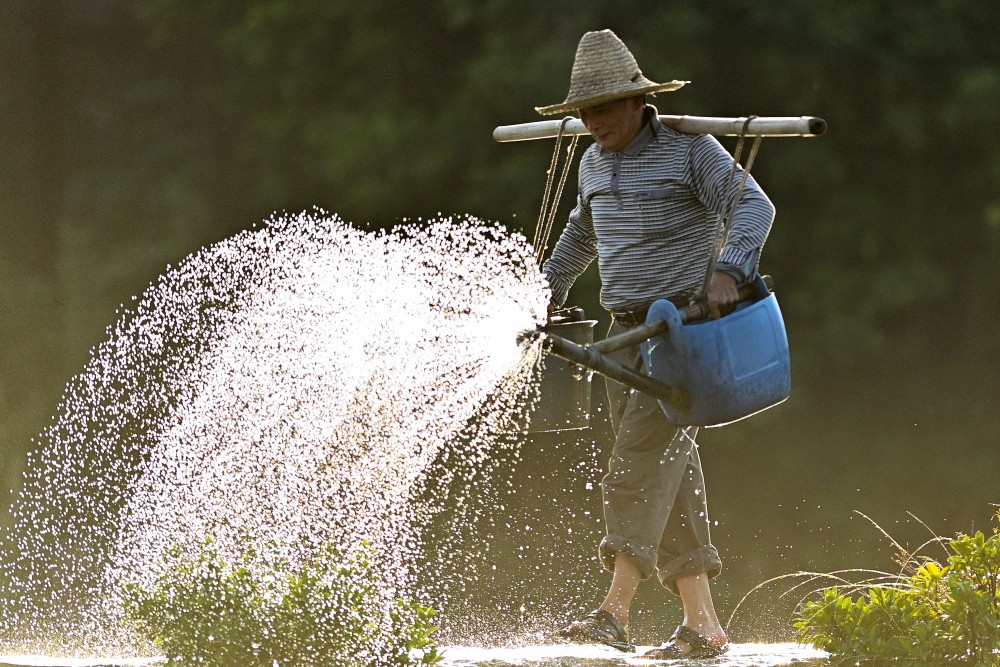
<point x="44" y="661"/>
<point x="573" y="655"/>
<point x="552" y="655"/>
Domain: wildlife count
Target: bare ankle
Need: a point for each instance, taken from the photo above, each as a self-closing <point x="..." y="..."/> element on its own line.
<point x="713" y="632"/>
<point x="618" y="611"/>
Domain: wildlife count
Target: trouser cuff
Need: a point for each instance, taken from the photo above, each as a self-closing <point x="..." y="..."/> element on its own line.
<point x="703" y="559"/>
<point x="643" y="557"/>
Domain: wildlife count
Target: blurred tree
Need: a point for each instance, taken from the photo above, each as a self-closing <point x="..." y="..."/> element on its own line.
<point x="382" y="111"/>
<point x="34" y="172"/>
<point x="138" y="132"/>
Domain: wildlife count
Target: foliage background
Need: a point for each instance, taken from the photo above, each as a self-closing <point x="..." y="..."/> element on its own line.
<point x="136" y="131"/>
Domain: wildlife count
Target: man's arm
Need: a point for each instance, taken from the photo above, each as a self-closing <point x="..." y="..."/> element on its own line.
<point x="752" y="217"/>
<point x="749" y="225"/>
<point x="572" y="254"/>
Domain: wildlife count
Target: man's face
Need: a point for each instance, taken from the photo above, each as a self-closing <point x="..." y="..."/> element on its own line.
<point x="614" y="124"/>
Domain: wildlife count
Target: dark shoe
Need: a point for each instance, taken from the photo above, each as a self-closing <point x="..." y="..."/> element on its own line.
<point x="598" y="627"/>
<point x="697" y="646"/>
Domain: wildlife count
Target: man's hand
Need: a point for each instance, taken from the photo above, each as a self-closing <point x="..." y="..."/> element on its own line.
<point x="722" y="295"/>
<point x="552" y="307"/>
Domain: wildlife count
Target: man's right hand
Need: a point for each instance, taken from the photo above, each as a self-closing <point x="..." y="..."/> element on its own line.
<point x="550" y="309"/>
<point x="722" y="295"/>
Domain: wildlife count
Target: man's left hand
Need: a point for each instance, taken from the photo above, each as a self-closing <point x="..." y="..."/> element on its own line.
<point x="722" y="295"/>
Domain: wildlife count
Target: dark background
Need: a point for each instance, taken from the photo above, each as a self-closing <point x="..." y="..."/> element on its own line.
<point x="135" y="132"/>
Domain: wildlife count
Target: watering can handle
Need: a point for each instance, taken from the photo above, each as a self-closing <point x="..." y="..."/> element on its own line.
<point x="699" y="309"/>
<point x="692" y="313"/>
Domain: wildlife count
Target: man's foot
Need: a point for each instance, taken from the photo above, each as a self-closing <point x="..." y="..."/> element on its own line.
<point x="686" y="643"/>
<point x="598" y="627"/>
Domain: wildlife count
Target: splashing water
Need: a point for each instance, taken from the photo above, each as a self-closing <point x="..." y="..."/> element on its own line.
<point x="296" y="385"/>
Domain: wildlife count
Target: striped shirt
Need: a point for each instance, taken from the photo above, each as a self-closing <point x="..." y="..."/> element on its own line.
<point x="650" y="216"/>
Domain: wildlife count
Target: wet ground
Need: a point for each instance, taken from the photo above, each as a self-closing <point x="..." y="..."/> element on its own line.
<point x="573" y="655"/>
<point x="42" y="661"/>
<point x="552" y="655"/>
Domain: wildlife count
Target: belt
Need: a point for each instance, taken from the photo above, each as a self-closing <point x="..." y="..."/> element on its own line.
<point x="637" y="316"/>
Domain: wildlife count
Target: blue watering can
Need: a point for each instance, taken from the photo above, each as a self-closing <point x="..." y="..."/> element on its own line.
<point x="703" y="372"/>
<point x="731" y="368"/>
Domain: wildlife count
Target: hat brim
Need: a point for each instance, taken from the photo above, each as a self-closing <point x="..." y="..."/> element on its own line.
<point x="593" y="100"/>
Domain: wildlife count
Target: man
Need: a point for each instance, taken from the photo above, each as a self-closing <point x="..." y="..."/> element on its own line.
<point x="649" y="205"/>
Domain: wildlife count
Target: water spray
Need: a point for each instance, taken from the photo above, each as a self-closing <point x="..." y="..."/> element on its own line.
<point x="300" y="385"/>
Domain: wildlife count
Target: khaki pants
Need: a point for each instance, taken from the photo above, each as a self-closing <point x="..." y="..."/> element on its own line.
<point x="655" y="507"/>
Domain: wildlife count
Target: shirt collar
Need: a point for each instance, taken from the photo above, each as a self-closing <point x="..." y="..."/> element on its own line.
<point x="645" y="136"/>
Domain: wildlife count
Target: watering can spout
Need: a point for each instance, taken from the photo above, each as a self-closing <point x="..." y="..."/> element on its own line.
<point x="560" y="323"/>
<point x="528" y="336"/>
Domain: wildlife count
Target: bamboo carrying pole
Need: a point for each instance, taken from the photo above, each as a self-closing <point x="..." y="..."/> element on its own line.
<point x="773" y="126"/>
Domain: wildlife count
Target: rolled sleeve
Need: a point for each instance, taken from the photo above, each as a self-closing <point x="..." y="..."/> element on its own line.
<point x="748" y="229"/>
<point x="742" y="272"/>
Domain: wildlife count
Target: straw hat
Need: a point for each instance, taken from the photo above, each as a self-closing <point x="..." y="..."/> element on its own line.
<point x="605" y="70"/>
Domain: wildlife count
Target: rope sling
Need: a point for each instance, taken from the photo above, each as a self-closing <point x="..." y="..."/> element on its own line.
<point x="725" y="220"/>
<point x="550" y="204"/>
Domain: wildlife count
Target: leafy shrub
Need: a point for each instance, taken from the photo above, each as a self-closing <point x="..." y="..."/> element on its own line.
<point x="202" y="611"/>
<point x="937" y="615"/>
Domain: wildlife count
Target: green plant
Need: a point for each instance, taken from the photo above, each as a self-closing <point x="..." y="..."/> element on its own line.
<point x="330" y="613"/>
<point x="936" y="615"/>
